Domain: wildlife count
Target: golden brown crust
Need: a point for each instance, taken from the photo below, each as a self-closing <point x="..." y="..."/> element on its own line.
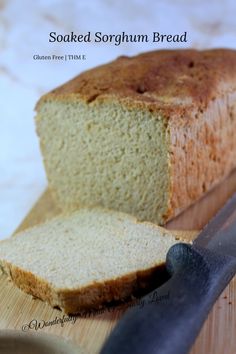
<point x="165" y="80"/>
<point x="28" y="282"/>
<point x="202" y="153"/>
<point x="111" y="291"/>
<point x="88" y="297"/>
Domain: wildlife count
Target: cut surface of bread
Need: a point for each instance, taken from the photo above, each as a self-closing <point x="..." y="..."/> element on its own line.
<point x="147" y="135"/>
<point x="86" y="259"/>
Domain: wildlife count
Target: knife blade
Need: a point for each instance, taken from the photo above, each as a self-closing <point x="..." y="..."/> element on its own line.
<point x="219" y="235"/>
<point x="199" y="273"/>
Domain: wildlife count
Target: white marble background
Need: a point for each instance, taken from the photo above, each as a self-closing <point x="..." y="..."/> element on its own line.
<point x="24" y="29"/>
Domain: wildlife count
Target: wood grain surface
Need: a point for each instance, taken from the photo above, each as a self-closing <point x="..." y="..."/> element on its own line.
<point x="19" y="310"/>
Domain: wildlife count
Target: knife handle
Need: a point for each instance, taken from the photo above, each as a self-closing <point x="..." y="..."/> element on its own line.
<point x="171" y="316"/>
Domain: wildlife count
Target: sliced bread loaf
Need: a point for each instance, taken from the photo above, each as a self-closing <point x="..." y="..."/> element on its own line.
<point x="86" y="259"/>
<point x="147" y="135"/>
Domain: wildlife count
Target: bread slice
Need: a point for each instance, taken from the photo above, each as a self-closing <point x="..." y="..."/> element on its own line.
<point x="86" y="259"/>
<point x="147" y="135"/>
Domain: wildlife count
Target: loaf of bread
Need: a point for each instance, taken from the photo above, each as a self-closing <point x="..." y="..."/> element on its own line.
<point x="86" y="259"/>
<point x="147" y="135"/>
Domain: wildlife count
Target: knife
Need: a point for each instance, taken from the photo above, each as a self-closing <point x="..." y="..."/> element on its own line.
<point x="172" y="315"/>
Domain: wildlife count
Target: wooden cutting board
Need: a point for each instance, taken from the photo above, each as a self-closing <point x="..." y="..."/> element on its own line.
<point x="19" y="311"/>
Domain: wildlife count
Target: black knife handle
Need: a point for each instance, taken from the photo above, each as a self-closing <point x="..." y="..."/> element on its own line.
<point x="172" y="315"/>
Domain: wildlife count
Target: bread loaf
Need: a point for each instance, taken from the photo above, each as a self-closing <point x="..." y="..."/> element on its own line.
<point x="147" y="135"/>
<point x="86" y="259"/>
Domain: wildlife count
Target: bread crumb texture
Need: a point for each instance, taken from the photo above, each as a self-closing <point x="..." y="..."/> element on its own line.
<point x="86" y="259"/>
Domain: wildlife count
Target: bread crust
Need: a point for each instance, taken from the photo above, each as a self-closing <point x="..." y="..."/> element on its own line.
<point x="203" y="154"/>
<point x="91" y="297"/>
<point x="154" y="80"/>
<point x="193" y="91"/>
